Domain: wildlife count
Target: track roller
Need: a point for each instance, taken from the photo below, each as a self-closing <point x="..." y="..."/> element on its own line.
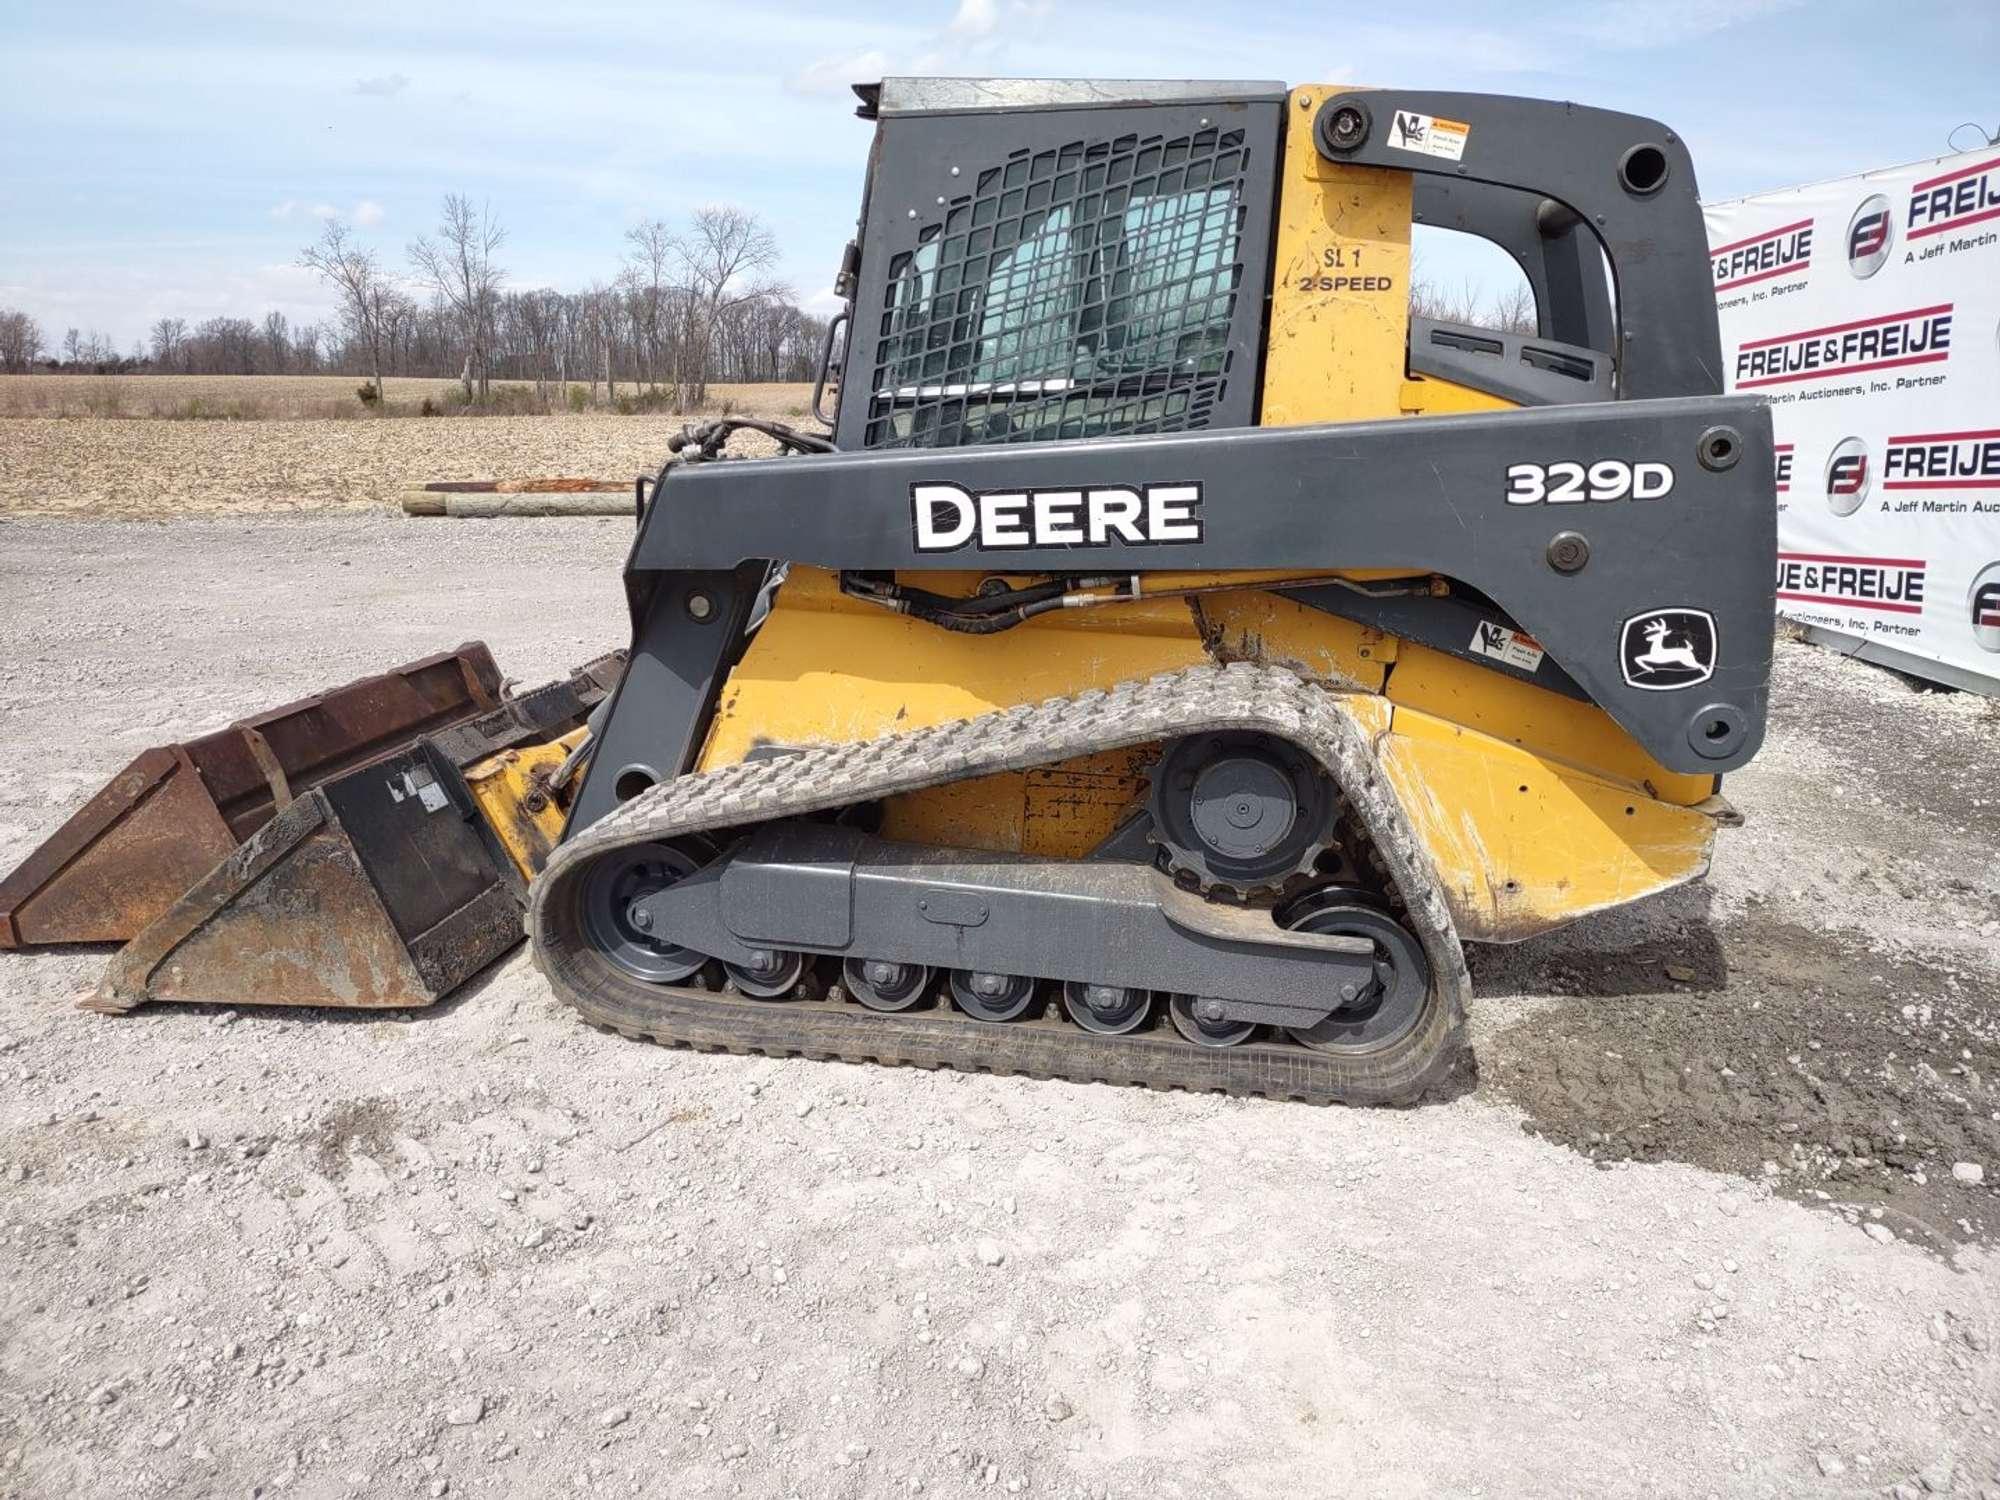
<point x="883" y="984"/>
<point x="1200" y="1019"/>
<point x="992" y="997"/>
<point x="1107" y="1009"/>
<point x="768" y="973"/>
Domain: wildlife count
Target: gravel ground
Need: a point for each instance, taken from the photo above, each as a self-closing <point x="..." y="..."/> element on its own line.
<point x="481" y="1249"/>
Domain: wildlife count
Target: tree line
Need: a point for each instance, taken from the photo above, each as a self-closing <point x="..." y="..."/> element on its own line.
<point x="688" y="306"/>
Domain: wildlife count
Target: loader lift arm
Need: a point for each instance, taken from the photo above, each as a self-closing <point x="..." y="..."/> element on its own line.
<point x="1428" y="497"/>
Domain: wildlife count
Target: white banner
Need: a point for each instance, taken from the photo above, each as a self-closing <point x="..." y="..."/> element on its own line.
<point x="1868" y="311"/>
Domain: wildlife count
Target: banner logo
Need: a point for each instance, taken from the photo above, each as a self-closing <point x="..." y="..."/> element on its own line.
<point x="1971" y="195"/>
<point x="1890" y="341"/>
<point x="1943" y="461"/>
<point x="1985" y="602"/>
<point x="1775" y="252"/>
<point x="1665" y="649"/>
<point x="1870" y="236"/>
<point x="1894" y="585"/>
<point x="1847" y="476"/>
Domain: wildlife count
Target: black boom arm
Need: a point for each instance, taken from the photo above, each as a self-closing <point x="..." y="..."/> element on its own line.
<point x="1591" y="526"/>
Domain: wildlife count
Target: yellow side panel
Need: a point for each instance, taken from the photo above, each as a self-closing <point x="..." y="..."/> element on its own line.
<point x="825" y="669"/>
<point x="1250" y="625"/>
<point x="1548" y="724"/>
<point x="1340" y="285"/>
<point x="1523" y="843"/>
<point x="510" y="790"/>
<point x="1061" y="811"/>
<point x="1428" y="396"/>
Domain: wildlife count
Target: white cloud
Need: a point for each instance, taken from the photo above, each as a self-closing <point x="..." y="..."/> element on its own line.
<point x="974" y="18"/>
<point x="976" y="39"/>
<point x="365" y="212"/>
<point x="833" y="75"/>
<point x="1640" y="25"/>
<point x="1400" y="46"/>
<point x="385" y="86"/>
<point x="123" y="298"/>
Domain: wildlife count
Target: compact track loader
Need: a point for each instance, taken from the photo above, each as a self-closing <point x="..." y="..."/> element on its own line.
<point x="1175" y="650"/>
<point x="1185" y="649"/>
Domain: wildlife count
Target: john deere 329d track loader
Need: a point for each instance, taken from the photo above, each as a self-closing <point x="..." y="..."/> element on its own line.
<point x="1140" y="693"/>
<point x="1176" y="649"/>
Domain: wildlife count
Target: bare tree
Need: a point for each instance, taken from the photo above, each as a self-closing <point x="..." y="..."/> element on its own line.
<point x="459" y="265"/>
<point x="169" y="343"/>
<point x="20" y="341"/>
<point x="533" y="319"/>
<point x="723" y="256"/>
<point x="72" y="347"/>
<point x="552" y="309"/>
<point x="1513" y="311"/>
<point x="277" y="342"/>
<point x="365" y="294"/>
<point x="396" y="315"/>
<point x="306" y="339"/>
<point x="224" y="346"/>
<point x="654" y="250"/>
<point x="598" y="323"/>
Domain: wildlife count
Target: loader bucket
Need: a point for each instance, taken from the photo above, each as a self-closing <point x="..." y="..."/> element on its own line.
<point x="390" y="885"/>
<point x="381" y="888"/>
<point x="164" y="821"/>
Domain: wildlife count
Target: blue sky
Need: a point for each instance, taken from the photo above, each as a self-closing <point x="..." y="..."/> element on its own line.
<point x="171" y="158"/>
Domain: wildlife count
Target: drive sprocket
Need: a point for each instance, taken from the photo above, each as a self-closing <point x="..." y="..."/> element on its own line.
<point x="1235" y="812"/>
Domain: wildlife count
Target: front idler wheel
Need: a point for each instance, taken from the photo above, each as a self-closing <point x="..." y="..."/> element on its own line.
<point x="1107" y="1009"/>
<point x="620" y="928"/>
<point x="883" y="984"/>
<point x="992" y="997"/>
<point x="1201" y="1020"/>
<point x="1386" y="1006"/>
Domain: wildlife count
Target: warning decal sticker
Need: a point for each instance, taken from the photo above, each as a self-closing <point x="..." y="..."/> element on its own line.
<point x="1428" y="135"/>
<point x="1515" y="647"/>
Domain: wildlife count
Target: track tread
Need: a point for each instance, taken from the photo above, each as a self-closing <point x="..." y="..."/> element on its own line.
<point x="1238" y="696"/>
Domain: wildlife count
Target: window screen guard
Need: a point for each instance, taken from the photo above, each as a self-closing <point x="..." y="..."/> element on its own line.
<point x="1036" y="274"/>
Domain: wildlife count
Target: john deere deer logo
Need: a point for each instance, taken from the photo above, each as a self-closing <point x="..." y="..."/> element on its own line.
<point x="1668" y="648"/>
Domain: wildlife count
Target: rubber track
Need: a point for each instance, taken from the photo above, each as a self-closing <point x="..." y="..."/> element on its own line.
<point x="1238" y="696"/>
